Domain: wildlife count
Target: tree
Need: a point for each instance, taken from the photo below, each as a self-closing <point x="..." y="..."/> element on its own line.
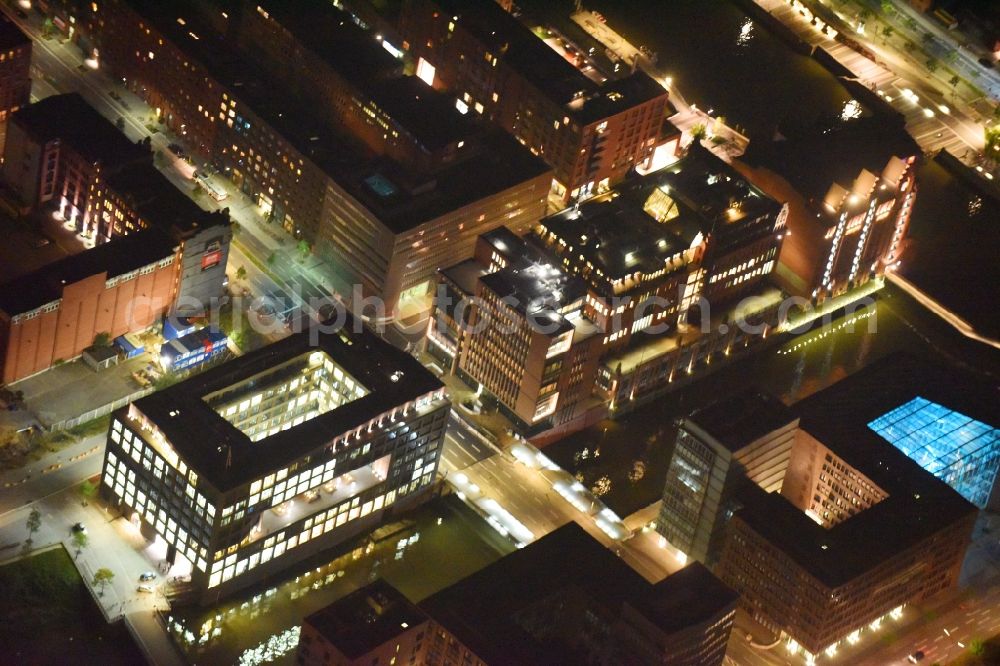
<point x="102" y="577"/>
<point x="932" y="64"/>
<point x="699" y="132"/>
<point x="102" y="339"/>
<point x="954" y="81"/>
<point x="80" y="540"/>
<point x="304" y="248"/>
<point x="88" y="488"/>
<point x="977" y="647"/>
<point x="271" y="258"/>
<point x="886" y="6"/>
<point x="34" y="523"/>
<point x="992" y="149"/>
<point x="887" y="32"/>
<point x="927" y="37"/>
<point x="241" y="273"/>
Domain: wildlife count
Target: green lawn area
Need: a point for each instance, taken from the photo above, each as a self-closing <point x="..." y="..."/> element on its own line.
<point x="47" y="616"/>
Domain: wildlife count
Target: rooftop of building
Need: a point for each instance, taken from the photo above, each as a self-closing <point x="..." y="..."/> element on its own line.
<point x="743" y="419"/>
<point x="644" y="223"/>
<point x="539" y="572"/>
<point x="366" y="619"/>
<point x="400" y="196"/>
<point x="71" y="119"/>
<point x="918" y="504"/>
<point x="227" y="458"/>
<point x="11" y="36"/>
<point x="531" y="281"/>
<point x="514" y="43"/>
<point x="427" y="115"/>
<point x="158" y="202"/>
<point x="816" y="158"/>
<point x="119" y="256"/>
<point x="331" y="34"/>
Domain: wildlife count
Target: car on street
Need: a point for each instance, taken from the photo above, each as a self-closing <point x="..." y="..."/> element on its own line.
<point x="916" y="657"/>
<point x="79" y="528"/>
<point x="147" y="589"/>
<point x="40" y="242"/>
<point x="147" y="576"/>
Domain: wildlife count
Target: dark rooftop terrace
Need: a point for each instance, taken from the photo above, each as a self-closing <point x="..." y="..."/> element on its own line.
<point x="225" y="457"/>
<point x="68" y="117"/>
<point x="742" y="419"/>
<point x="617" y="233"/>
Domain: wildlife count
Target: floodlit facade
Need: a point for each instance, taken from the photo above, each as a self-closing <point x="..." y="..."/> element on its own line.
<point x="850" y="191"/>
<point x="259" y="463"/>
<point x="959" y="450"/>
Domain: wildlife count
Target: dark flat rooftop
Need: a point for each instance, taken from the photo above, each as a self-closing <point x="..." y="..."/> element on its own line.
<point x="157" y="201"/>
<point x="365" y="619"/>
<point x="616" y="234"/>
<point x="480" y="610"/>
<point x="68" y="117"/>
<point x="918" y="504"/>
<point x="815" y="159"/>
<point x="515" y="44"/>
<point x="11" y="36"/>
<point x="117" y="257"/>
<point x="743" y="418"/>
<point x="205" y="440"/>
<point x="426" y="114"/>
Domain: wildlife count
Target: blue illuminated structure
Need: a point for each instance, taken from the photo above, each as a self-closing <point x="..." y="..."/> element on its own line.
<point x="962" y="452"/>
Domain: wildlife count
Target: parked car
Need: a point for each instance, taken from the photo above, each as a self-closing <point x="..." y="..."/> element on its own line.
<point x="40" y="242"/>
<point x="148" y="589"/>
<point x="147" y="576"/>
<point x="916" y="657"/>
<point x="79" y="528"/>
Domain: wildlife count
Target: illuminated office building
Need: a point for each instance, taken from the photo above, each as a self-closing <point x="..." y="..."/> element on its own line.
<point x="858" y="531"/>
<point x="309" y="115"/>
<point x="256" y="464"/>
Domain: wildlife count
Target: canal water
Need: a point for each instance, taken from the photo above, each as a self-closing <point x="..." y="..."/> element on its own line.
<point x="625" y="460"/>
<point x="436" y="545"/>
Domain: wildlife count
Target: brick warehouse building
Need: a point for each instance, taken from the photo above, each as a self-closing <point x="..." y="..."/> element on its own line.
<point x="54" y="313"/>
<point x="592" y="132"/>
<point x="384" y="220"/>
<point x="15" y="72"/>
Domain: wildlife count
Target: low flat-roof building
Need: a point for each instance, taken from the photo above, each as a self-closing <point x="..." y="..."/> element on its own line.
<point x="858" y="530"/>
<point x="374" y="625"/>
<point x="258" y="463"/>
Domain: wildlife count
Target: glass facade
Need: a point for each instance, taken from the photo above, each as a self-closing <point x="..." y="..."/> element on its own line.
<point x="962" y="452"/>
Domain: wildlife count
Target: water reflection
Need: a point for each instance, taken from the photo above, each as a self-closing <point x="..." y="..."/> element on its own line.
<point x="435" y="546"/>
